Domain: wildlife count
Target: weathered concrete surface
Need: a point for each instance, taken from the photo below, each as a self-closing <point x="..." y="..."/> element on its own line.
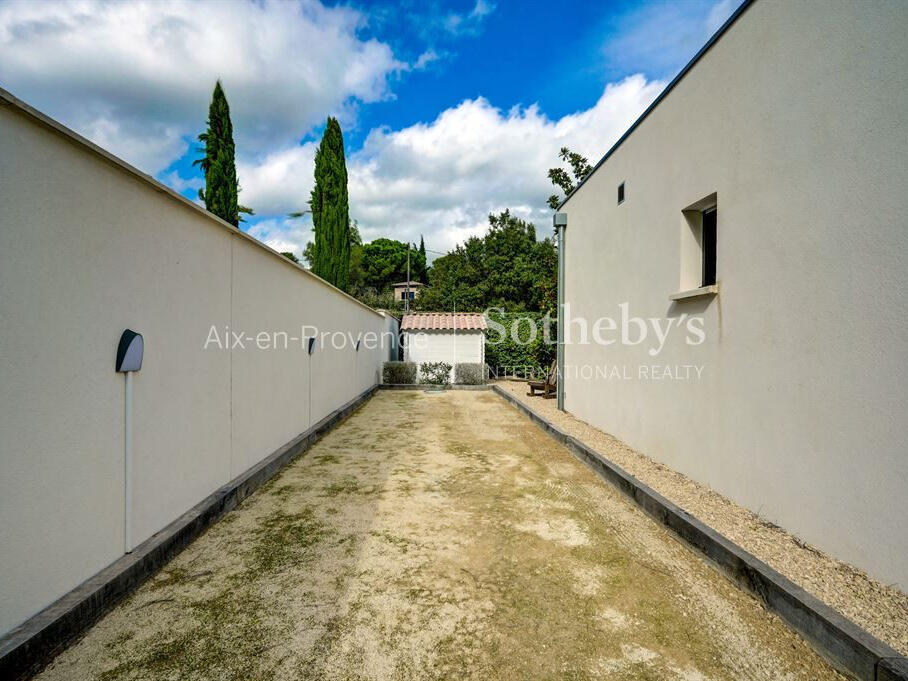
<point x="433" y="536"/>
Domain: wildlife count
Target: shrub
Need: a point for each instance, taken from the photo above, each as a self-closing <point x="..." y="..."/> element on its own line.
<point x="435" y="373"/>
<point x="470" y="373"/>
<point x="530" y="357"/>
<point x="399" y="372"/>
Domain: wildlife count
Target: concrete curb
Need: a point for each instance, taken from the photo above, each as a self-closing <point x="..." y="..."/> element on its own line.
<point x="425" y="386"/>
<point x="34" y="643"/>
<point x="838" y="640"/>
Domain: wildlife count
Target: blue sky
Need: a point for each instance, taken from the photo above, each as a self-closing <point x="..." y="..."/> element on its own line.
<point x="451" y="110"/>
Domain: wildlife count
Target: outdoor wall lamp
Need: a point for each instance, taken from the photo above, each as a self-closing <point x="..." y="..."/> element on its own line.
<point x="129" y="360"/>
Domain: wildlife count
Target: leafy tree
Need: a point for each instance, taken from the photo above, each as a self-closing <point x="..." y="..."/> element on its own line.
<point x="384" y="262"/>
<point x="309" y="254"/>
<point x="356" y="259"/>
<point x="568" y="181"/>
<point x="330" y="209"/>
<point x="289" y="255"/>
<point x="506" y="268"/>
<point x="221" y="193"/>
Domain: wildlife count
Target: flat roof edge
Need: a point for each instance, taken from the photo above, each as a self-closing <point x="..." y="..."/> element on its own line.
<point x="662" y="95"/>
<point x="8" y="99"/>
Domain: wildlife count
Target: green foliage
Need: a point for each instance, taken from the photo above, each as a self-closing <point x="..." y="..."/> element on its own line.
<point x="422" y="273"/>
<point x="221" y="193"/>
<point x="384" y="262"/>
<point x="560" y="177"/>
<point x="435" y="373"/>
<point x="330" y="209"/>
<point x="506" y="268"/>
<point x="289" y="255"/>
<point x="470" y="373"/>
<point x="399" y="372"/>
<point x="532" y="352"/>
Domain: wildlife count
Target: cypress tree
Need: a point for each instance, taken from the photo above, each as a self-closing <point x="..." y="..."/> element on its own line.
<point x="221" y="193"/>
<point x="330" y="209"/>
<point x="422" y="259"/>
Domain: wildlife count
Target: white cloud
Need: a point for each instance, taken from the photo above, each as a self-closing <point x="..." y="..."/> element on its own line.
<point x="284" y="234"/>
<point x="442" y="179"/>
<point x="181" y="184"/>
<point x="470" y="22"/>
<point x="720" y="13"/>
<point x="281" y="182"/>
<point x="136" y="77"/>
<point x="425" y="59"/>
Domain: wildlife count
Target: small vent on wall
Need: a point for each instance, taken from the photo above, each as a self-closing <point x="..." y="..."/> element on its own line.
<point x="621" y="193"/>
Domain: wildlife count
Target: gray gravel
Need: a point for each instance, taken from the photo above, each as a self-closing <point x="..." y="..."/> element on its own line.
<point x="880" y="609"/>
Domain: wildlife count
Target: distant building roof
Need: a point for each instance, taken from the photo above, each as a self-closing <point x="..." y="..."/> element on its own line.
<point x="412" y="283"/>
<point x="458" y="321"/>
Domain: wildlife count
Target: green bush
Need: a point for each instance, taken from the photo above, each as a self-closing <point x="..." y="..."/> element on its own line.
<point x="470" y="373"/>
<point x="399" y="372"/>
<point x="532" y="356"/>
<point x="435" y="373"/>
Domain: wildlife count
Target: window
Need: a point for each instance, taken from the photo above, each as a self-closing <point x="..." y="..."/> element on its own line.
<point x="708" y="221"/>
<point x="699" y="227"/>
<point x="621" y="193"/>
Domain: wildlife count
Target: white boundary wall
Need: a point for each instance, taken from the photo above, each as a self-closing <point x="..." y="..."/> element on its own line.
<point x="796" y="119"/>
<point x="88" y="248"/>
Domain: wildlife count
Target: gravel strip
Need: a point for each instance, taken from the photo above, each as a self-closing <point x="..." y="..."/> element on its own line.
<point x="880" y="609"/>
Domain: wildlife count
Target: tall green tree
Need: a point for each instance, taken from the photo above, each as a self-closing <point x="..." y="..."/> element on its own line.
<point x="423" y="272"/>
<point x="567" y="181"/>
<point x="384" y="262"/>
<point x="506" y="268"/>
<point x="222" y="190"/>
<point x="330" y="209"/>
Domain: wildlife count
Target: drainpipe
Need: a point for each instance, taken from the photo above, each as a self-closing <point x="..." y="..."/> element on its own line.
<point x="560" y="222"/>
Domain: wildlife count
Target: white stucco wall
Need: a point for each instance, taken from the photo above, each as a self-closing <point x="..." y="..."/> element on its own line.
<point x="87" y="249"/>
<point x="796" y="120"/>
<point x="463" y="347"/>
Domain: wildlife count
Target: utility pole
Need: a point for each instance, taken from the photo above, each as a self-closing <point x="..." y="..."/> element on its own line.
<point x="407" y="293"/>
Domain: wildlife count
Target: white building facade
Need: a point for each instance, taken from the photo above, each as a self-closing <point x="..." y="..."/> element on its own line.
<point x="778" y="378"/>
<point x="455" y="338"/>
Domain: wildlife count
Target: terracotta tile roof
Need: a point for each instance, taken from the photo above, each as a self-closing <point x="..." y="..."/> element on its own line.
<point x="460" y="321"/>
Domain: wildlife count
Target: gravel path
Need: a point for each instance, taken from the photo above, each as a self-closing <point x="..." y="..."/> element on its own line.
<point x="880" y="609"/>
<point x="438" y="536"/>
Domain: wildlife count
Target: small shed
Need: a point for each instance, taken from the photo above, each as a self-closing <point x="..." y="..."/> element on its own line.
<point x="452" y="337"/>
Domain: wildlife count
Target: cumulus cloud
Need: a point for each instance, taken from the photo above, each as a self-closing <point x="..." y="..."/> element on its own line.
<point x="136" y="77"/>
<point x="284" y="234"/>
<point x="441" y="179"/>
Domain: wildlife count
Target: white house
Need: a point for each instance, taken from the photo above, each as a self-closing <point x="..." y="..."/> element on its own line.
<point x="455" y="338"/>
<point x="765" y="194"/>
<point x="407" y="289"/>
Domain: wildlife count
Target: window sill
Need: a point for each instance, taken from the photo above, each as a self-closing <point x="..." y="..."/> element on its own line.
<point x="711" y="290"/>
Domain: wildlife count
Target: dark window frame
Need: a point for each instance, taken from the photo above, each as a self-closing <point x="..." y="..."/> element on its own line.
<point x="621" y="195"/>
<point x="709" y="221"/>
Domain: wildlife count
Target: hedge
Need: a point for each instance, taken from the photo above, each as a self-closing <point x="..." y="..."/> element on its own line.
<point x="470" y="373"/>
<point x="506" y="356"/>
<point x="399" y="372"/>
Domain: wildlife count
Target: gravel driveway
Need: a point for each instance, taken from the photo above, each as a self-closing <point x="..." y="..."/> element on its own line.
<point x="438" y="536"/>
